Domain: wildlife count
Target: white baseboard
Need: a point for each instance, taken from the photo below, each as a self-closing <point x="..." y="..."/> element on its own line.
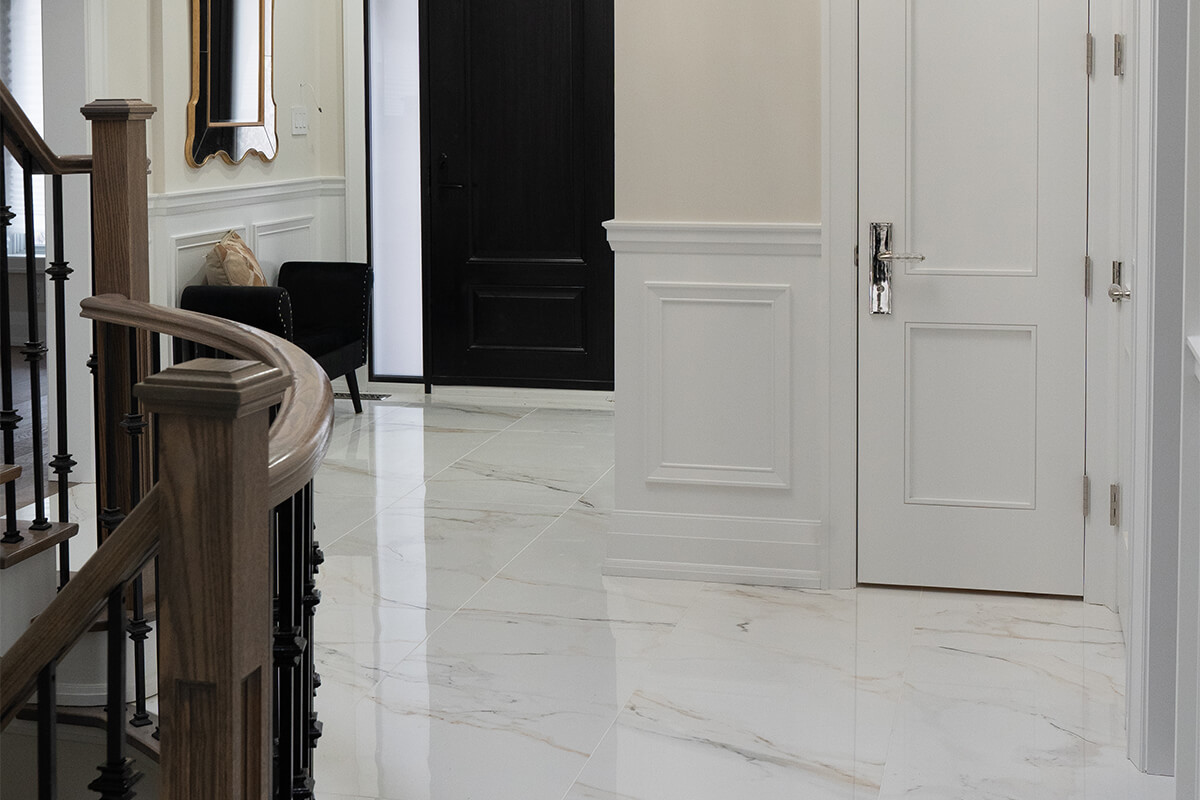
<point x="487" y="395"/>
<point x="674" y="570"/>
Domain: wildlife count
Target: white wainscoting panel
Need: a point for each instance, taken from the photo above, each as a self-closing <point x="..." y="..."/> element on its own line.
<point x="280" y="241"/>
<point x="747" y="329"/>
<point x="722" y="403"/>
<point x="288" y="220"/>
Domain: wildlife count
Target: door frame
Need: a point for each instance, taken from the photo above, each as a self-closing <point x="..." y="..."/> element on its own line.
<point x="1159" y="139"/>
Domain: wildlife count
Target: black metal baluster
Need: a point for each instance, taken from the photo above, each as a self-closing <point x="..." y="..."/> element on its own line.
<point x="62" y="463"/>
<point x="110" y="516"/>
<point x="155" y="367"/>
<point x="134" y="425"/>
<point x="291" y="783"/>
<point x="47" y="732"/>
<point x="34" y="351"/>
<point x="312" y="598"/>
<point x="8" y="413"/>
<point x="93" y="364"/>
<point x="157" y="606"/>
<point x="117" y="776"/>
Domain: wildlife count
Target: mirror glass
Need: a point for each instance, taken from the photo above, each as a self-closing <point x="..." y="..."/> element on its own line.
<point x="232" y="109"/>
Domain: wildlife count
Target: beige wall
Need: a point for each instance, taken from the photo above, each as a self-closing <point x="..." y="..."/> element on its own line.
<point x="146" y="52"/>
<point x="718" y="107"/>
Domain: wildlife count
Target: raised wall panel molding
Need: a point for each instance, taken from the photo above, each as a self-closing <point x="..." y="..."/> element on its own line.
<point x="282" y="240"/>
<point x="736" y="432"/>
<point x="743" y="238"/>
<point x="192" y="201"/>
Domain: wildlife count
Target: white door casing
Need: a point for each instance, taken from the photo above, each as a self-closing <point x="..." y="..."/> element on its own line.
<point x="973" y="143"/>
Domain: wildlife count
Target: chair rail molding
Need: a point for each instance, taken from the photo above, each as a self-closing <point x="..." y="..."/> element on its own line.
<point x="722" y="418"/>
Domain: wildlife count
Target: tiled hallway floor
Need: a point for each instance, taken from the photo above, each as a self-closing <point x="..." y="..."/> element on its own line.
<point x="471" y="649"/>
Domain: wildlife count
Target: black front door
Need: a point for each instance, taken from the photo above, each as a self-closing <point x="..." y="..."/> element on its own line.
<point x="519" y="283"/>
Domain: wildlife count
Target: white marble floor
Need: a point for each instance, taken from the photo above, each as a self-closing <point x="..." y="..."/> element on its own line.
<point x="471" y="649"/>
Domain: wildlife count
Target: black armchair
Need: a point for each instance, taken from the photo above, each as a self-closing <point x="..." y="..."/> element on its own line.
<point x="321" y="306"/>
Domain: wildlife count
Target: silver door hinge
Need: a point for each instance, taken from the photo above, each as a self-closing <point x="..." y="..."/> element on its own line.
<point x="1119" y="55"/>
<point x="1087" y="496"/>
<point x="1091" y="54"/>
<point x="1087" y="276"/>
<point x="856" y="255"/>
<point x="1114" y="504"/>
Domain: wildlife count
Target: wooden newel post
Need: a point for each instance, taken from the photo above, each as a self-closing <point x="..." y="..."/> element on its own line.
<point x="120" y="215"/>
<point x="215" y="634"/>
<point x="120" y="265"/>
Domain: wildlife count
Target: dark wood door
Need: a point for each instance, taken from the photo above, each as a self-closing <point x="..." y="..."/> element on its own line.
<point x="519" y="282"/>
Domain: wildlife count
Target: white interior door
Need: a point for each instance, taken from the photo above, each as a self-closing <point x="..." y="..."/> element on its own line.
<point x="973" y="144"/>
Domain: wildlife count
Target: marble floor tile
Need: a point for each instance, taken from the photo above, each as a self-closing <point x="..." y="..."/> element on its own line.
<point x="441" y="416"/>
<point x="471" y="647"/>
<point x="526" y="468"/>
<point x="428" y="556"/>
<point x="335" y="515"/>
<point x="403" y="455"/>
<point x="565" y="420"/>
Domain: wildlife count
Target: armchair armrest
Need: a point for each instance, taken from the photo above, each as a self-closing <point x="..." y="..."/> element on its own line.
<point x="265" y="307"/>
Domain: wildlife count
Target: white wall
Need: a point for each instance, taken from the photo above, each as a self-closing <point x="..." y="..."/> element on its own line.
<point x="718" y="110"/>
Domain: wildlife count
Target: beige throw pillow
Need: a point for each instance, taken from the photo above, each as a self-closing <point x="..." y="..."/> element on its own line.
<point x="231" y="263"/>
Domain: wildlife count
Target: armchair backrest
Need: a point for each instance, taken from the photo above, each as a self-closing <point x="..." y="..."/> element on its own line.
<point x="328" y="295"/>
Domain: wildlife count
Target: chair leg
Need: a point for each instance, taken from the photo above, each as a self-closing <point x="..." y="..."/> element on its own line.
<point x="352" y="384"/>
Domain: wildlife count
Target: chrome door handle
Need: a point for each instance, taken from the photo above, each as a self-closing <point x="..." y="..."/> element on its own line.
<point x="881" y="266"/>
<point x="900" y="256"/>
<point x="1117" y="292"/>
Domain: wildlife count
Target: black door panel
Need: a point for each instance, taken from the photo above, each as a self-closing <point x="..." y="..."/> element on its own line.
<point x="520" y="153"/>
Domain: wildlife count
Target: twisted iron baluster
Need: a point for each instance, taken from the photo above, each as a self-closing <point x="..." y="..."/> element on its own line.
<point x="8" y="413"/>
<point x="117" y="775"/>
<point x="34" y="351"/>
<point x="134" y="425"/>
<point x="62" y="463"/>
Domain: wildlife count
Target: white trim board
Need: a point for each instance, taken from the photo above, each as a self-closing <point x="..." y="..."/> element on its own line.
<point x="169" y="204"/>
<point x="746" y="238"/>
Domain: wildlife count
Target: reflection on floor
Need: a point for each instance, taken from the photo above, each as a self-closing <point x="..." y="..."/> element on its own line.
<point x="471" y="648"/>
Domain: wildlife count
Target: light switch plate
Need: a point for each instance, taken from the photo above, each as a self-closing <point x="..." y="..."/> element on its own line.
<point x="299" y="121"/>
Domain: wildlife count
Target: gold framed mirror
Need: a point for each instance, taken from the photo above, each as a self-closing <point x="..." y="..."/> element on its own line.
<point x="232" y="109"/>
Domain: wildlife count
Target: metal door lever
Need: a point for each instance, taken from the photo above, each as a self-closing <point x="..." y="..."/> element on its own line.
<point x="881" y="267"/>
<point x="1117" y="292"/>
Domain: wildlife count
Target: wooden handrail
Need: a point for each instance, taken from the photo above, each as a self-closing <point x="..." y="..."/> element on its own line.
<point x="300" y="434"/>
<point x="298" y="440"/>
<point x="22" y="139"/>
<point x="56" y="630"/>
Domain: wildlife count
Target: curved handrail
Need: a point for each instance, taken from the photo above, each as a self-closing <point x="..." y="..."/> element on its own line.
<point x="300" y="433"/>
<point x="297" y="443"/>
<point x="56" y="630"/>
<point x="23" y="141"/>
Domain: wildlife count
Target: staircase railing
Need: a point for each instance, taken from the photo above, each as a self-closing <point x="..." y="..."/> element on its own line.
<point x="219" y="502"/>
<point x="34" y="158"/>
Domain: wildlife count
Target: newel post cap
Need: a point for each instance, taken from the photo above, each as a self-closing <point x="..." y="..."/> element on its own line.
<point x="214" y="387"/>
<point x="117" y="110"/>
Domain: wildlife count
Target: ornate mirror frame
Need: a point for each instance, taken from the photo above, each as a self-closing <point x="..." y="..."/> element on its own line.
<point x="223" y="118"/>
